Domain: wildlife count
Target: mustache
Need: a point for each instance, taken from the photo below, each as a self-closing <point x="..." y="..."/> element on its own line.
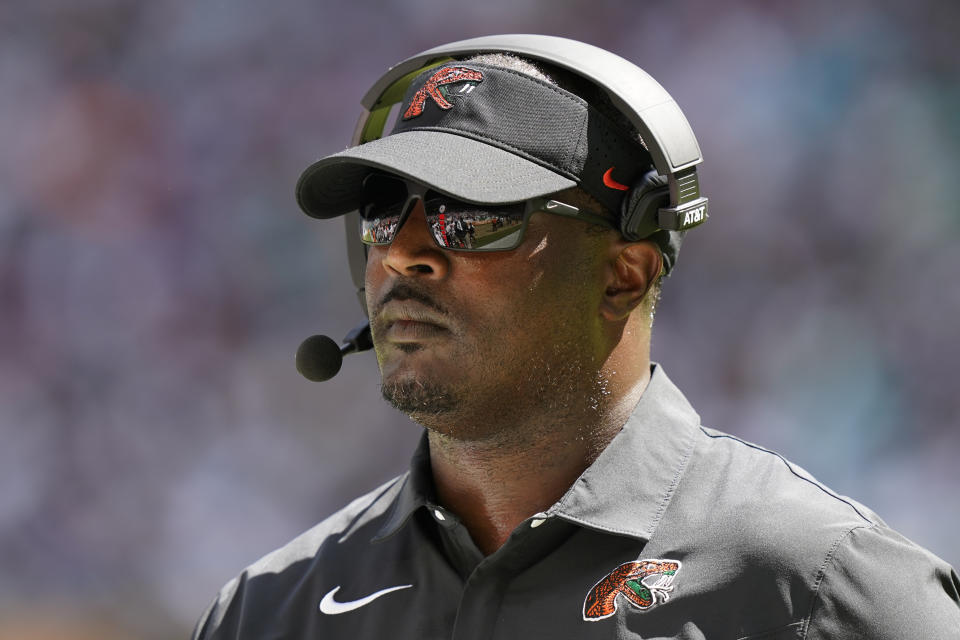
<point x="404" y="291"/>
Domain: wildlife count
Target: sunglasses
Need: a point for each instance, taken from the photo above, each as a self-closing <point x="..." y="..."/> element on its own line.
<point x="454" y="224"/>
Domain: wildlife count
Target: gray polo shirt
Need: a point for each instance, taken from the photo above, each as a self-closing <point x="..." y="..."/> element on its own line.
<point x="675" y="531"/>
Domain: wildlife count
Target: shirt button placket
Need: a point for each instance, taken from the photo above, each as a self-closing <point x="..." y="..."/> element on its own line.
<point x="480" y="603"/>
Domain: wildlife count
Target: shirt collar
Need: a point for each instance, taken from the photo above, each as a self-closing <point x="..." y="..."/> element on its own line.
<point x="627" y="488"/>
<point x="415" y="492"/>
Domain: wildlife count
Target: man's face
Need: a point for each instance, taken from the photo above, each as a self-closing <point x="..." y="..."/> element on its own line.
<point x="469" y="341"/>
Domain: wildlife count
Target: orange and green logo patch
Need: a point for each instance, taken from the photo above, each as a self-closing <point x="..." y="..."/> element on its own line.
<point x="435" y="89"/>
<point x="643" y="583"/>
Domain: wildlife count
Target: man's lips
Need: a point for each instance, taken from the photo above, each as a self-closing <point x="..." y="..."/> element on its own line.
<point x="412" y="331"/>
<point x="410" y="321"/>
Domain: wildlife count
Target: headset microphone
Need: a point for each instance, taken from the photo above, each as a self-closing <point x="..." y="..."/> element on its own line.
<point x="319" y="358"/>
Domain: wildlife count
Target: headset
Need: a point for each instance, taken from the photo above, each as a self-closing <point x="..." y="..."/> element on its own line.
<point x="666" y="198"/>
<point x="650" y="205"/>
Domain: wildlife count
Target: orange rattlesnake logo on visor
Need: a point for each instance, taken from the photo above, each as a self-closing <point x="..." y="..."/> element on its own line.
<point x="433" y="88"/>
<point x="643" y="583"/>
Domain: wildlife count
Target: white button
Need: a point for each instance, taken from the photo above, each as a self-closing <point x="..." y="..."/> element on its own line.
<point x="536" y="522"/>
<point x="438" y="515"/>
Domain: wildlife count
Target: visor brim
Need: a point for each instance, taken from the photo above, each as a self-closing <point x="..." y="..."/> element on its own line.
<point x="456" y="165"/>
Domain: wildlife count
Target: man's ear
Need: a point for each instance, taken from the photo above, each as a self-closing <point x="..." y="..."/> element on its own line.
<point x="634" y="267"/>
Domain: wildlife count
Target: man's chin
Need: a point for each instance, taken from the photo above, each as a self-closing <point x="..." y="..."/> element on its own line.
<point x="418" y="398"/>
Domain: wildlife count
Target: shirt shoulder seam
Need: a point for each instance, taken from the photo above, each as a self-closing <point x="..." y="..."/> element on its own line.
<point x="719" y="436"/>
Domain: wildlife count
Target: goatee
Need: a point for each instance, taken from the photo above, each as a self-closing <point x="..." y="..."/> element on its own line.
<point x="417" y="399"/>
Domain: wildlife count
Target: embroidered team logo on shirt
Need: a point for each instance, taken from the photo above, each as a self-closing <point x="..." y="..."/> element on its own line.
<point x="644" y="583"/>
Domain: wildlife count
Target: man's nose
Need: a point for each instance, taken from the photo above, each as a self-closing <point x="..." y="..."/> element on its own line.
<point x="413" y="250"/>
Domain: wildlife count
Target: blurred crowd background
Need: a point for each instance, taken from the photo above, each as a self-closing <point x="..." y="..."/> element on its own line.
<point x="156" y="275"/>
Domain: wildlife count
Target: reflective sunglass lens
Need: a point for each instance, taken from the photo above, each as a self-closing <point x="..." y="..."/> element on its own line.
<point x="469" y="227"/>
<point x="454" y="224"/>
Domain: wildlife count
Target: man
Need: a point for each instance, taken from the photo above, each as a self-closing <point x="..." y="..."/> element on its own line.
<point x="564" y="488"/>
<point x="460" y="228"/>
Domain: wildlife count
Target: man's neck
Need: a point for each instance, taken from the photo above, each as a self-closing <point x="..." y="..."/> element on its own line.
<point x="495" y="484"/>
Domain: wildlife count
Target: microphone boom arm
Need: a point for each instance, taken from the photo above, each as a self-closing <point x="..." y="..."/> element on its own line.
<point x="358" y="339"/>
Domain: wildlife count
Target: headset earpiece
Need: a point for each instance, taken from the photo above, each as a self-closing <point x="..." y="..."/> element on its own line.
<point x="640" y="216"/>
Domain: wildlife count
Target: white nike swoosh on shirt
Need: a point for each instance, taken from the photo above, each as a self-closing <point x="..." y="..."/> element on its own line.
<point x="331" y="607"/>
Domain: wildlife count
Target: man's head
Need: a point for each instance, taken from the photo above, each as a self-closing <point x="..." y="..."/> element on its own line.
<point x="531" y="313"/>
